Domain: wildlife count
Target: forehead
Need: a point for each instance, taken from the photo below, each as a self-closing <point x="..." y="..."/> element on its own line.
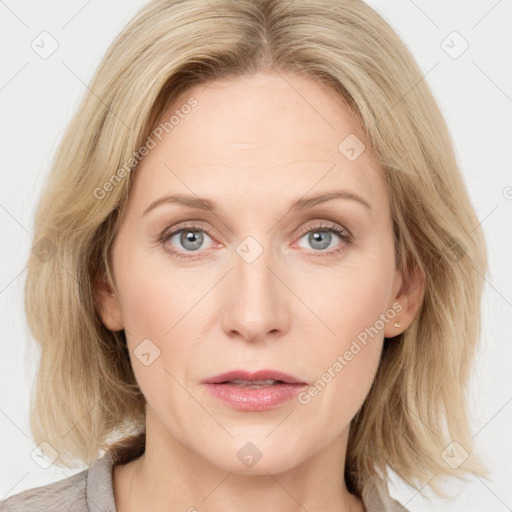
<point x="258" y="136"/>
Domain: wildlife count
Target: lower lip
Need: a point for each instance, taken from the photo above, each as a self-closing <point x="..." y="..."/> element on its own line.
<point x="256" y="399"/>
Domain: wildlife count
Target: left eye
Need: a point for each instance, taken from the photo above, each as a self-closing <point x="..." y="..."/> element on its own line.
<point x="320" y="238"/>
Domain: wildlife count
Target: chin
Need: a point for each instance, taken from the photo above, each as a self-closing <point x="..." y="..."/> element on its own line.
<point x="255" y="457"/>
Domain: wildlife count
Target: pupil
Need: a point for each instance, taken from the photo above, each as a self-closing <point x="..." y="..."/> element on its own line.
<point x="317" y="238"/>
<point x="191" y="237"/>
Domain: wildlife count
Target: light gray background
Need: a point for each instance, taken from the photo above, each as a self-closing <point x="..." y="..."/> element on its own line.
<point x="38" y="97"/>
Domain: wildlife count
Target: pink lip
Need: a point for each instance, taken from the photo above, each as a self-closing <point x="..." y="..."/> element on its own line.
<point x="255" y="399"/>
<point x="258" y="375"/>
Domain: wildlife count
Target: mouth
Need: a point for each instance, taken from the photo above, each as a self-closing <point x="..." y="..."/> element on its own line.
<point x="253" y="384"/>
<point x="257" y="391"/>
<point x="260" y="378"/>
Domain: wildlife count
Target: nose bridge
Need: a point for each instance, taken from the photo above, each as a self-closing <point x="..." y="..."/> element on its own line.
<point x="256" y="305"/>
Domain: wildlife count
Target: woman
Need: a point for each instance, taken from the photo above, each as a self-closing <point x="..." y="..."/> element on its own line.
<point x="256" y="273"/>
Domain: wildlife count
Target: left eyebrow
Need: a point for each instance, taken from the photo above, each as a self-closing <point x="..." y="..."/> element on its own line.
<point x="300" y="204"/>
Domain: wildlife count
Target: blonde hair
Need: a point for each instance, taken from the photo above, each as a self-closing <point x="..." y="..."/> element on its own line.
<point x="86" y="394"/>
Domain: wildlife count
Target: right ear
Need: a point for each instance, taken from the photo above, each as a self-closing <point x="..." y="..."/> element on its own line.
<point x="108" y="304"/>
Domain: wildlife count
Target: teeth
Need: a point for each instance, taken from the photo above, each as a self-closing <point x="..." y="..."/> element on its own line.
<point x="253" y="383"/>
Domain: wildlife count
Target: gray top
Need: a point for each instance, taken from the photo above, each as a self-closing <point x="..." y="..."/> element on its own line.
<point x="91" y="490"/>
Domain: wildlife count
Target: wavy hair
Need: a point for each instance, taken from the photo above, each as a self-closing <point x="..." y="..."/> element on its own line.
<point x="86" y="398"/>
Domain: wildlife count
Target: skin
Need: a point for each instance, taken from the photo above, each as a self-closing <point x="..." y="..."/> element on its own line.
<point x="253" y="145"/>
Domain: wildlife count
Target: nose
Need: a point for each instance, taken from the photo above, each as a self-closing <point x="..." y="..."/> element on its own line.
<point x="256" y="303"/>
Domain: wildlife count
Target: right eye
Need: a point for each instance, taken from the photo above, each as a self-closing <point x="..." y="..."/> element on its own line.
<point x="190" y="237"/>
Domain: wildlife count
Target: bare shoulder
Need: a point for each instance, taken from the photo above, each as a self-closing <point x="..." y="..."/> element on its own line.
<point x="66" y="495"/>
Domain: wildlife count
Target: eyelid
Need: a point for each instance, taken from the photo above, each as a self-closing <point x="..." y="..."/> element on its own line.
<point x="200" y="225"/>
<point x="325" y="224"/>
<point x="345" y="236"/>
<point x="191" y="224"/>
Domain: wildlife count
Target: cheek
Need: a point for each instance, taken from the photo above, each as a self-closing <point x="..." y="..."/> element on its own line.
<point x="158" y="309"/>
<point x="155" y="307"/>
<point x="350" y="301"/>
<point x="353" y="306"/>
<point x="154" y="298"/>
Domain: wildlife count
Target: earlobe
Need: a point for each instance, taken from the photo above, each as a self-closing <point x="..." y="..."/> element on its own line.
<point x="410" y="298"/>
<point x="109" y="308"/>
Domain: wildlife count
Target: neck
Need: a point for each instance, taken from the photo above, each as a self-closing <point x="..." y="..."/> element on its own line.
<point x="171" y="476"/>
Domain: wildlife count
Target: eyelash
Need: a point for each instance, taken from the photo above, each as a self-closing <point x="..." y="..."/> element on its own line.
<point x="344" y="234"/>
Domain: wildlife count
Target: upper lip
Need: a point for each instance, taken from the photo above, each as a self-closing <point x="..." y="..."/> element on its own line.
<point x="252" y="376"/>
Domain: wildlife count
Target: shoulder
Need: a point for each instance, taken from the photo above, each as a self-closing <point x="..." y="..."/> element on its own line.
<point x="376" y="497"/>
<point x="90" y="490"/>
<point x="66" y="495"/>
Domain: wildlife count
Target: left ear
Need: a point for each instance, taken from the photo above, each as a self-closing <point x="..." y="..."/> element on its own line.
<point x="409" y="294"/>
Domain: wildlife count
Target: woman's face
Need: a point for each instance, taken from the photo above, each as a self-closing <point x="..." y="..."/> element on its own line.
<point x="256" y="282"/>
